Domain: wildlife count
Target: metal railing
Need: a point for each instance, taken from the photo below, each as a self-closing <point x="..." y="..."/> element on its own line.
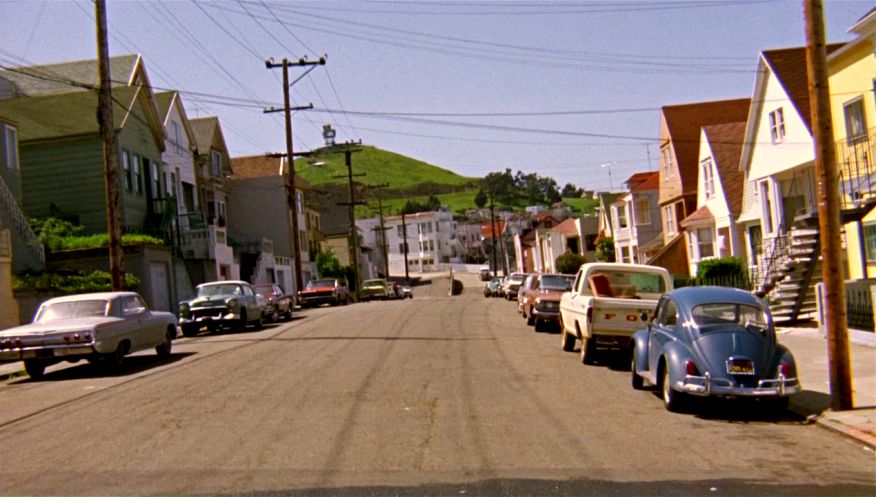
<point x="857" y="171"/>
<point x="17" y="217"/>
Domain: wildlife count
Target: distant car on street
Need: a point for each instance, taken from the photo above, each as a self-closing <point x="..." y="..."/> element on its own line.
<point x="277" y="302"/>
<point x="221" y="304"/>
<point x="493" y="287"/>
<point x="713" y="342"/>
<point x="541" y="303"/>
<point x="484" y="274"/>
<point x="512" y="284"/>
<point x="99" y="327"/>
<point x="377" y="288"/>
<point x="330" y="291"/>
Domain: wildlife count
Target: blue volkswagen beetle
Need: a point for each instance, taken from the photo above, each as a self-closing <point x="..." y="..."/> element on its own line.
<point x="712" y="342"/>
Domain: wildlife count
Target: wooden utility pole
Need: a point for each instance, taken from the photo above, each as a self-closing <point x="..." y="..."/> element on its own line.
<point x="405" y="245"/>
<point x="382" y="228"/>
<point x="493" y="234"/>
<point x="352" y="237"/>
<point x="291" y="195"/>
<point x="828" y="208"/>
<point x="110" y="151"/>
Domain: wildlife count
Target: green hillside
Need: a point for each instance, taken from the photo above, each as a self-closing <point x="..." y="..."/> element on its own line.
<point x="379" y="166"/>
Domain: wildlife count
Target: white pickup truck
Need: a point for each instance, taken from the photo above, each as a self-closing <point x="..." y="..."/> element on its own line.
<point x="606" y="305"/>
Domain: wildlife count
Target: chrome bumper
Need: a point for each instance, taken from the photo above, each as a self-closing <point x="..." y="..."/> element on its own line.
<point x="48" y="351"/>
<point x="706" y="386"/>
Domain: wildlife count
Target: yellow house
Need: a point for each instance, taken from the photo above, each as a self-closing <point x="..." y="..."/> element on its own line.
<point x="852" y="71"/>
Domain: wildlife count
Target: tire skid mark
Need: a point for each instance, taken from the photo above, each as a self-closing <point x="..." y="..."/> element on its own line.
<point x="341" y="440"/>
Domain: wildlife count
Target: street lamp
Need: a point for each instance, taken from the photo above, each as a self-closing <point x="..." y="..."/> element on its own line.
<point x="609" y="165"/>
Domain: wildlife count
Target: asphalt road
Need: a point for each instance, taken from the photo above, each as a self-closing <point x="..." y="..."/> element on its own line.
<point x="435" y="395"/>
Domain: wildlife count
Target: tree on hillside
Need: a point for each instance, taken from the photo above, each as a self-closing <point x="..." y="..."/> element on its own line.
<point x="480" y="199"/>
<point x="433" y="203"/>
<point x="571" y="191"/>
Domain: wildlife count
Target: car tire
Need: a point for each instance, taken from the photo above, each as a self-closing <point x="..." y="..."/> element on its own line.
<point x="275" y="316"/>
<point x="288" y="314"/>
<point x="35" y="368"/>
<point x="530" y="320"/>
<point x="567" y="339"/>
<point x="259" y="323"/>
<point x="189" y="330"/>
<point x="637" y="381"/>
<point x="116" y="359"/>
<point x="164" y="348"/>
<point x="588" y="350"/>
<point x="241" y="323"/>
<point x="673" y="400"/>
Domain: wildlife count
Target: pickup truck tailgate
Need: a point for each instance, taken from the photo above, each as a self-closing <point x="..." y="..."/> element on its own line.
<point x="619" y="316"/>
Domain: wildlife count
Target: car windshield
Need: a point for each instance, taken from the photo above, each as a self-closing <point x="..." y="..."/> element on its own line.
<point x="716" y="313"/>
<point x="75" y="309"/>
<point x="562" y="283"/>
<point x="212" y="290"/>
<point x="517" y="278"/>
<point x="319" y="284"/>
<point x="264" y="289"/>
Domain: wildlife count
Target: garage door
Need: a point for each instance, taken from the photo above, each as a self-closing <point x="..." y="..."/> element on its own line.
<point x="160" y="287"/>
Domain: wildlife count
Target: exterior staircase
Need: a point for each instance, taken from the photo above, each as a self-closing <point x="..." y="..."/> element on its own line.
<point x="28" y="250"/>
<point x="793" y="270"/>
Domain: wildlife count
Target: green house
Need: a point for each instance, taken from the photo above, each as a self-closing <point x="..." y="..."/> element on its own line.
<point x="61" y="156"/>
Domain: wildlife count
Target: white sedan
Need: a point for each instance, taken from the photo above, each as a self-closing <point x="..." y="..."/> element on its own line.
<point x="99" y="327"/>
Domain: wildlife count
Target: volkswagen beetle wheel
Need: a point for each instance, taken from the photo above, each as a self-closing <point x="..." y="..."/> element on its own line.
<point x="637" y="381"/>
<point x="673" y="400"/>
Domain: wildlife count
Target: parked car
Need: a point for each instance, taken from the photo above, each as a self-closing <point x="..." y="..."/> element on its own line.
<point x="99" y="327"/>
<point x="541" y="304"/>
<point x="485" y="274"/>
<point x="713" y="342"/>
<point x="528" y="284"/>
<point x="377" y="288"/>
<point x="603" y="308"/>
<point x="221" y="304"/>
<point x="512" y="284"/>
<point x="277" y="302"/>
<point x="325" y="291"/>
<point x="406" y="291"/>
<point x="493" y="287"/>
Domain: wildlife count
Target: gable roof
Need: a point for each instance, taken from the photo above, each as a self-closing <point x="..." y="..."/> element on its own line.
<point x="65" y="115"/>
<point x="788" y="65"/>
<point x="701" y="214"/>
<point x="52" y="79"/>
<point x="644" y="182"/>
<point x="725" y="141"/>
<point x="258" y="166"/>
<point x="683" y="123"/>
<point x="567" y="227"/>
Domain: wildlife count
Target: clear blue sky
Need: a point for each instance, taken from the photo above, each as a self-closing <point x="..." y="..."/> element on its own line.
<point x="437" y="80"/>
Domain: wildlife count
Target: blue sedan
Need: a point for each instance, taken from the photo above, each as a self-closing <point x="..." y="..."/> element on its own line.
<point x="712" y="342"/>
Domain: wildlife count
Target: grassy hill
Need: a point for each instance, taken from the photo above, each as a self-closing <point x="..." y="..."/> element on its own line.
<point x="379" y="166"/>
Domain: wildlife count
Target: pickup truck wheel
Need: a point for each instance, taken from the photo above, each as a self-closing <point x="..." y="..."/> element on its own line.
<point x="35" y="368"/>
<point x="637" y="381"/>
<point x="568" y="340"/>
<point x="530" y="320"/>
<point x="673" y="400"/>
<point x="588" y="350"/>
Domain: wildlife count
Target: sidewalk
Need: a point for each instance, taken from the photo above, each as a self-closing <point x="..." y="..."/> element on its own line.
<point x="809" y="347"/>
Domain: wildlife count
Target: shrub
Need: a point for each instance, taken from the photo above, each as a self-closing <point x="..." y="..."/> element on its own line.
<point x="605" y="250"/>
<point x="456" y="287"/>
<point x="720" y="268"/>
<point x="70" y="282"/>
<point x="569" y="263"/>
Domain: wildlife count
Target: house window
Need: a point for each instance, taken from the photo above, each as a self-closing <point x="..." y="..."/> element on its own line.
<point x="156" y="180"/>
<point x="708" y="178"/>
<point x="216" y="163"/>
<point x="11" y="147"/>
<point x="643" y="212"/>
<point x="777" y="125"/>
<point x="870" y="242"/>
<point x="706" y="242"/>
<point x="766" y="207"/>
<point x="666" y="161"/>
<point x="856" y="127"/>
<point x="621" y="213"/>
<point x="400" y="230"/>
<point x="177" y="136"/>
<point x="126" y="168"/>
<point x="669" y="216"/>
<point x="755" y="240"/>
<point x="137" y="173"/>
